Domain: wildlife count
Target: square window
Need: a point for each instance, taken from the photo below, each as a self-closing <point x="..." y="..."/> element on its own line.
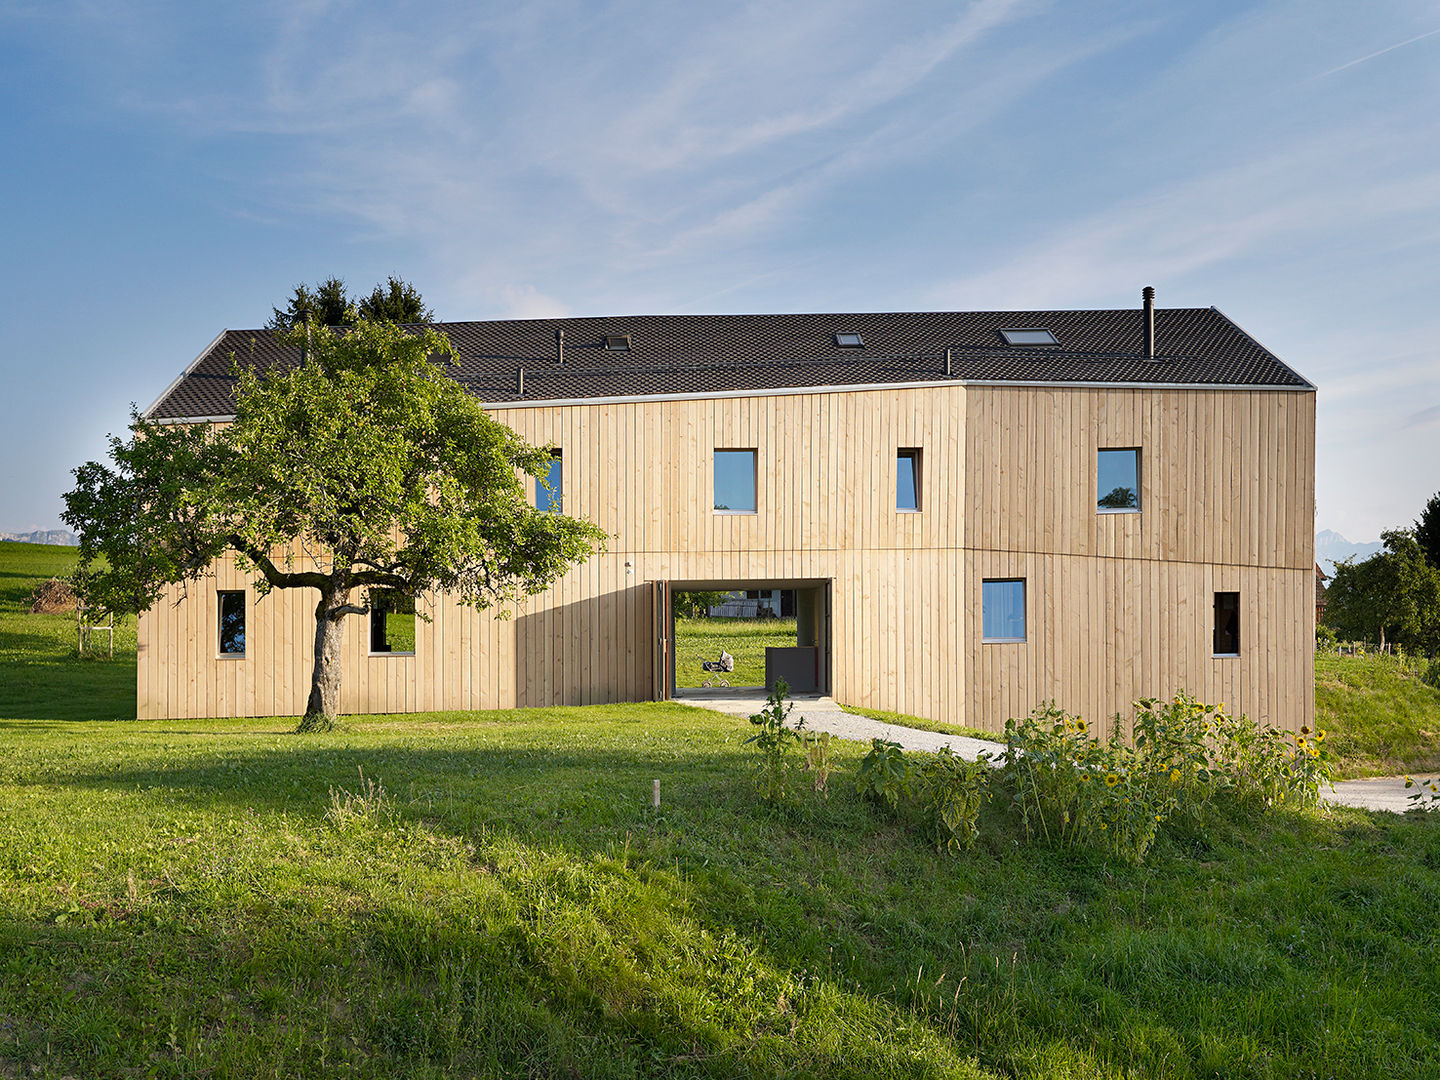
<point x="392" y="622"/>
<point x="232" y="623"/>
<point x="1117" y="481"/>
<point x="735" y="481"/>
<point x="550" y="488"/>
<point x="907" y="480"/>
<point x="1227" y="624"/>
<point x="1002" y="610"/>
<point x="849" y="340"/>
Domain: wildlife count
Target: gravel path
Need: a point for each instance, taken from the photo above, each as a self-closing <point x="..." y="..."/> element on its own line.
<point x="1373" y="793"/>
<point x="823" y="714"/>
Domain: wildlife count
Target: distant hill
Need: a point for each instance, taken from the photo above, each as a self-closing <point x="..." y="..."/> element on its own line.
<point x="1331" y="547"/>
<point x="60" y="537"/>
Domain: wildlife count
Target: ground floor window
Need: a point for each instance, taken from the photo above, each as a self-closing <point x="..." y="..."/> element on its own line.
<point x="1227" y="624"/>
<point x="1002" y="609"/>
<point x="392" y="622"/>
<point x="232" y="623"/>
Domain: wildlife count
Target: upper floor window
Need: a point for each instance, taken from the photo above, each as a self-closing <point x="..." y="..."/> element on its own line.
<point x="232" y="623"/>
<point x="735" y="481"/>
<point x="1227" y="624"/>
<point x="1117" y="481"/>
<point x="550" y="488"/>
<point x="392" y="622"/>
<point x="1002" y="609"/>
<point x="907" y="480"/>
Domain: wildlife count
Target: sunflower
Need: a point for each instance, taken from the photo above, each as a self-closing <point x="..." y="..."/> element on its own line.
<point x="1111" y="779"/>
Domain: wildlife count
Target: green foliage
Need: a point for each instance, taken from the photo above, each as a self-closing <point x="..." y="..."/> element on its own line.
<point x="1392" y="596"/>
<point x="327" y="303"/>
<point x="1380" y="712"/>
<point x="1120" y="498"/>
<point x="775" y="740"/>
<point x="396" y="301"/>
<point x="694" y="605"/>
<point x="181" y="900"/>
<point x="950" y="792"/>
<point x="1426" y="795"/>
<point x="1326" y="640"/>
<point x="1427" y="531"/>
<point x="885" y="773"/>
<point x="819" y="759"/>
<point x="367" y="453"/>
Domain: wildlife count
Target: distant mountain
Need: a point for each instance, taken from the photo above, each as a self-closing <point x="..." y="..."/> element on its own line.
<point x="1331" y="547"/>
<point x="60" y="537"/>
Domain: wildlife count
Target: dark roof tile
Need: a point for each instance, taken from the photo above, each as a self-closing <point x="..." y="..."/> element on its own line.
<point x="718" y="354"/>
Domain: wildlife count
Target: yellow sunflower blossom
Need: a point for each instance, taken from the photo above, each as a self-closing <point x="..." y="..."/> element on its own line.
<point x="1174" y="776"/>
<point x="1111" y="779"/>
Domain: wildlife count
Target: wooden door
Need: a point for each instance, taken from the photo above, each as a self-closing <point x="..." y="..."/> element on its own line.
<point x="662" y="665"/>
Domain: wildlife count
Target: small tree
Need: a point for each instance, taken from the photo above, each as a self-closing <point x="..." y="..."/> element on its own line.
<point x="1392" y="596"/>
<point x="364" y="468"/>
<point x="695" y="604"/>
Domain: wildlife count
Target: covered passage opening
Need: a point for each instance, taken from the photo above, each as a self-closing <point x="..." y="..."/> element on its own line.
<point x="751" y="632"/>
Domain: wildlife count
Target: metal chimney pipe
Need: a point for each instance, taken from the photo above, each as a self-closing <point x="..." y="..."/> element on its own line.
<point x="1147" y="294"/>
<point x="947" y="363"/>
<point x="559" y="346"/>
<point x="520" y="381"/>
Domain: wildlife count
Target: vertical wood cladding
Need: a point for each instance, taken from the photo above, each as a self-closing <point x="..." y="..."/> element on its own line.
<point x="1119" y="605"/>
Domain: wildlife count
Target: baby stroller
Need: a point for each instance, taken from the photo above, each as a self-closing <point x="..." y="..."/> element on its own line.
<point x="726" y="664"/>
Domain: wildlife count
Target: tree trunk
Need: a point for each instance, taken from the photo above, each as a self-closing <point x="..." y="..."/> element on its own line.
<point x="324" y="703"/>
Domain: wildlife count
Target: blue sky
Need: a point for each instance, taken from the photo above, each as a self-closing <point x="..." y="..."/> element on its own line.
<point x="174" y="169"/>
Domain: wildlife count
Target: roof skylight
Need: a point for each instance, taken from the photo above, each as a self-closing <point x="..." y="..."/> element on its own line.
<point x="617" y="342"/>
<point x="849" y="340"/>
<point x="1030" y="335"/>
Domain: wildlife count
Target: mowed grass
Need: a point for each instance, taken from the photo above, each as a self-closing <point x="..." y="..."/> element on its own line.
<point x="1380" y="719"/>
<point x="227" y="898"/>
<point x="489" y="894"/>
<point x="744" y="639"/>
<point x="40" y="675"/>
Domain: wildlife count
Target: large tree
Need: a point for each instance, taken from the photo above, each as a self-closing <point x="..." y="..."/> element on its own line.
<point x="365" y="468"/>
<point x="396" y="301"/>
<point x="1427" y="530"/>
<point x="1392" y="596"/>
<point x="329" y="303"/>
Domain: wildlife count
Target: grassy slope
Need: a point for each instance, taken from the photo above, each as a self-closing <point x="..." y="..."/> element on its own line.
<point x="195" y="898"/>
<point x="1381" y="719"/>
<point x="745" y="639"/>
<point x="183" y="897"/>
<point x="40" y="675"/>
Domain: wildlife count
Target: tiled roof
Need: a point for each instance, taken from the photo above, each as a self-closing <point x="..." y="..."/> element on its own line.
<point x="718" y="354"/>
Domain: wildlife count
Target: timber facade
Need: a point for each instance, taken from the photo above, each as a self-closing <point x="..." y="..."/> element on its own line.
<point x="1113" y="605"/>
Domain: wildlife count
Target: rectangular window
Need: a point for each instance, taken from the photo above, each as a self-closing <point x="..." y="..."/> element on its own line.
<point x="550" y="487"/>
<point x="1227" y="624"/>
<point x="392" y="623"/>
<point x="735" y="481"/>
<point x="1002" y="610"/>
<point x="1117" y="487"/>
<point x="907" y="482"/>
<point x="232" y="623"/>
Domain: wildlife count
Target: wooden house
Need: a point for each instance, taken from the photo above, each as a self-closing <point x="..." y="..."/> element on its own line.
<point x="977" y="512"/>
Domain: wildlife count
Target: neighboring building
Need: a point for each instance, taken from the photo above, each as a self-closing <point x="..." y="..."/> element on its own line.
<point x="1320" y="578"/>
<point x="977" y="512"/>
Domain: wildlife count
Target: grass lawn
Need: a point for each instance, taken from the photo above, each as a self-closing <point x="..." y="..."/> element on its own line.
<point x="494" y="897"/>
<point x="1380" y="718"/>
<point x="744" y="639"/>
